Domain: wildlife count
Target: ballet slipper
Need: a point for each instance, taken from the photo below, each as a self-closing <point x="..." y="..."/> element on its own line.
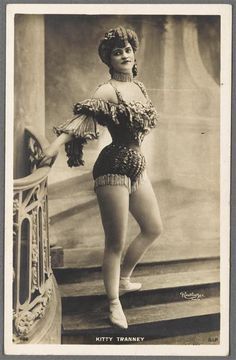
<point x="127" y="286"/>
<point x="116" y="315"/>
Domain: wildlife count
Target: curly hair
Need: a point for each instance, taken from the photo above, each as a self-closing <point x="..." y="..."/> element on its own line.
<point x="117" y="37"/>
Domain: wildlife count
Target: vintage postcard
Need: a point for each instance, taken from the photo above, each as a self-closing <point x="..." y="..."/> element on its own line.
<point x="118" y="128"/>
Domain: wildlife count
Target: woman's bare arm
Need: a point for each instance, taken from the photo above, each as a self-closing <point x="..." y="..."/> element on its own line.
<point x="52" y="150"/>
<point x="104" y="92"/>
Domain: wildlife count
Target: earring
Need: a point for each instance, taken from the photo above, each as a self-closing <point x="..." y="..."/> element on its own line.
<point x="110" y="70"/>
<point x="135" y="68"/>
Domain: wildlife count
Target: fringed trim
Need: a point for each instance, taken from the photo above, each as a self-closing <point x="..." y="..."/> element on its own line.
<point x="139" y="180"/>
<point x="74" y="152"/>
<point x="119" y="180"/>
<point x="114" y="180"/>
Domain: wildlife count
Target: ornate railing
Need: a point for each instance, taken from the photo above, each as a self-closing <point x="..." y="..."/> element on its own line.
<point x="33" y="282"/>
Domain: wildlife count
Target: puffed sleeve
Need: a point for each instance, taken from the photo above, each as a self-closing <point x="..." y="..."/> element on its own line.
<point x="83" y="126"/>
<point x="103" y="111"/>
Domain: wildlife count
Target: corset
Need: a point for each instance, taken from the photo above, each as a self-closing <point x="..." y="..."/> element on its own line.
<point x="128" y="123"/>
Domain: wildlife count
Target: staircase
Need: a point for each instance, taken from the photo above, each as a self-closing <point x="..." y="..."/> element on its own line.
<point x="178" y="297"/>
<point x="179" y="300"/>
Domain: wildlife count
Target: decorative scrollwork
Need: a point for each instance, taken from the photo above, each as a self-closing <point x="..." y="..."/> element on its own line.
<point x="34" y="271"/>
<point x="16" y="206"/>
<point x="37" y="192"/>
<point x="35" y="254"/>
<point x="25" y="320"/>
<point x="46" y="247"/>
<point x="31" y="245"/>
<point x="45" y="258"/>
<point x="35" y="153"/>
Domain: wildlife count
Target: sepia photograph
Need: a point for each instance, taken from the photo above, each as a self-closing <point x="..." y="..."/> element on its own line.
<point x="118" y="163"/>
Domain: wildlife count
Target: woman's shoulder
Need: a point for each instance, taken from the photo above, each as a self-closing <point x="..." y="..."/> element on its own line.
<point x="105" y="92"/>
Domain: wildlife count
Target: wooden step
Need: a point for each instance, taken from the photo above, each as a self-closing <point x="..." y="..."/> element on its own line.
<point x="96" y="319"/>
<point x="151" y="282"/>
<point x="158" y="253"/>
<point x="164" y="288"/>
<point x="73" y="275"/>
<point x="135" y="299"/>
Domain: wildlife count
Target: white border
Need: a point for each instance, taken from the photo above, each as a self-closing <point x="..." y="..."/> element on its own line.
<point x="225" y="11"/>
<point x="121" y="9"/>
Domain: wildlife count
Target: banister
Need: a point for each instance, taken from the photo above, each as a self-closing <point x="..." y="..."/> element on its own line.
<point x="37" y="174"/>
<point x="32" y="179"/>
<point x="33" y="281"/>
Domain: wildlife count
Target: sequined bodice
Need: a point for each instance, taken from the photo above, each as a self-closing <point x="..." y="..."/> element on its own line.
<point x="127" y="123"/>
<point x="135" y="122"/>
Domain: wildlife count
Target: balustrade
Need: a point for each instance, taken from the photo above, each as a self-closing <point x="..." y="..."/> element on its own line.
<point x="33" y="281"/>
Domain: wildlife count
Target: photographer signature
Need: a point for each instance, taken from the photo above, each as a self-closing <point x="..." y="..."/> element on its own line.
<point x="191" y="295"/>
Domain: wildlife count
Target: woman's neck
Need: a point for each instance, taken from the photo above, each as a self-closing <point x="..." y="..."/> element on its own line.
<point x="125" y="77"/>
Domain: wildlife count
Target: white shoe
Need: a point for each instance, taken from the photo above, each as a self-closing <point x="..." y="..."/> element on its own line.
<point x="116" y="315"/>
<point x="127" y="286"/>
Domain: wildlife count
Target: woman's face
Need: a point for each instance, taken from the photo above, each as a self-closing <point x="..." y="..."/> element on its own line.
<point x="122" y="59"/>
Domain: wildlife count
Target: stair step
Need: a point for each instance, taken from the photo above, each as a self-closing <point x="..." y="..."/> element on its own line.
<point x="97" y="319"/>
<point x="151" y="282"/>
<point x="158" y="253"/>
<point x="73" y="275"/>
<point x="160" y="289"/>
<point x="135" y="299"/>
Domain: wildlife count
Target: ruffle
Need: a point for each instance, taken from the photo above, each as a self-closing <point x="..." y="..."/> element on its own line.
<point x="103" y="111"/>
<point x="142" y="115"/>
<point x="137" y="117"/>
<point x="83" y="128"/>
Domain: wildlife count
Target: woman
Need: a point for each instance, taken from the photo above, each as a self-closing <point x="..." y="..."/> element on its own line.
<point x="120" y="180"/>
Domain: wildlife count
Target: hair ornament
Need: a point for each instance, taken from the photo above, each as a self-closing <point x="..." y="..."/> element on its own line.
<point x="110" y="35"/>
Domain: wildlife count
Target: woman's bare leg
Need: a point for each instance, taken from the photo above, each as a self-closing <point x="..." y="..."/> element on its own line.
<point x="114" y="207"/>
<point x="144" y="207"/>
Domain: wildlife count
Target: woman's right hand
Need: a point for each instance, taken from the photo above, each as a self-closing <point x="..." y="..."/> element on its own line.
<point x="51" y="151"/>
<point x="48" y="156"/>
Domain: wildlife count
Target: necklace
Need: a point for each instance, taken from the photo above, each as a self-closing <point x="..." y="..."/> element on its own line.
<point x="125" y="77"/>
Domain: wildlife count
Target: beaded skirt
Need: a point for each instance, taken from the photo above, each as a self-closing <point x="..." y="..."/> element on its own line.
<point x="118" y="164"/>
